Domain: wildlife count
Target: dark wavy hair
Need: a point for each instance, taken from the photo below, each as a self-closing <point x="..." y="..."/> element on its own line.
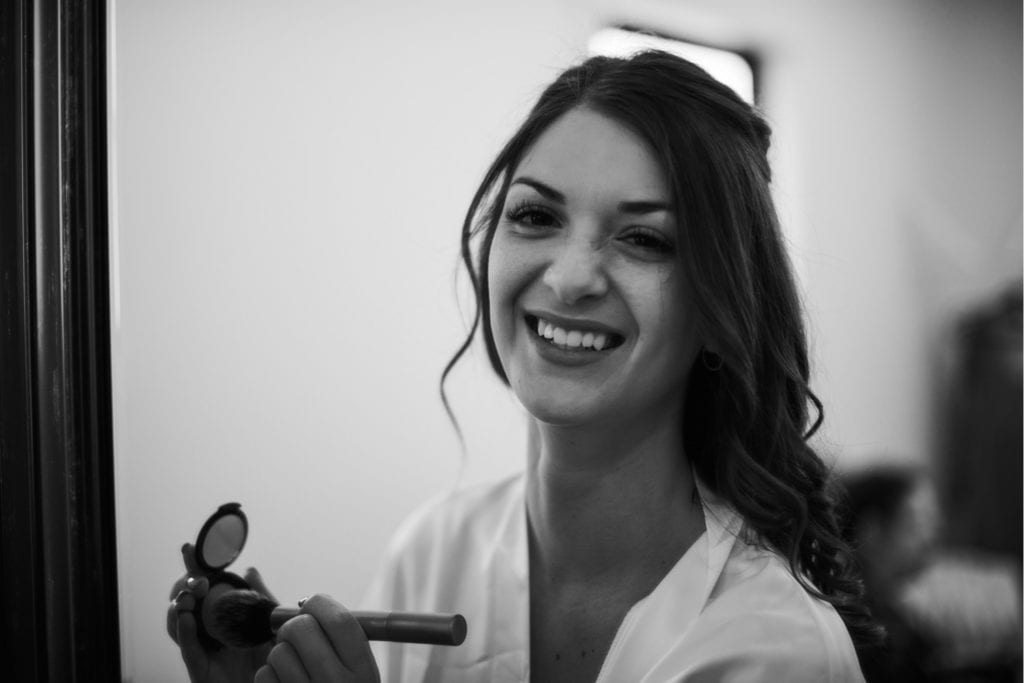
<point x="746" y="419"/>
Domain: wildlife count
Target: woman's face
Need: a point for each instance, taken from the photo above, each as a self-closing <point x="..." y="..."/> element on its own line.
<point x="589" y="306"/>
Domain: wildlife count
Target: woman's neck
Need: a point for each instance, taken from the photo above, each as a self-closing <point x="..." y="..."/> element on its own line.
<point x="597" y="496"/>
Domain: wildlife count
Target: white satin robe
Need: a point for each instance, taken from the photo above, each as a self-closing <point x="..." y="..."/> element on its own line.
<point x="727" y="612"/>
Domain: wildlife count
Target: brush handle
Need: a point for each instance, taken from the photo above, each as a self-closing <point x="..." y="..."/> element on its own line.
<point x="397" y="627"/>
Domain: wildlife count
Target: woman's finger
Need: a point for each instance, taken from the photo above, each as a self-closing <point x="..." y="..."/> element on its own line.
<point x="191" y="651"/>
<point x="198" y="586"/>
<point x="254" y="579"/>
<point x="309" y="641"/>
<point x="172" y="622"/>
<point x="288" y="665"/>
<point x="188" y="554"/>
<point x="345" y="635"/>
<point x="266" y="675"/>
<point x="179" y="585"/>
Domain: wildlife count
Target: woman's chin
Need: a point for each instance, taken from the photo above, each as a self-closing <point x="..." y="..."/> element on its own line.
<point x="564" y="411"/>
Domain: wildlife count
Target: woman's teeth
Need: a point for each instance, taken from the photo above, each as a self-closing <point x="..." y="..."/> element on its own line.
<point x="573" y="339"/>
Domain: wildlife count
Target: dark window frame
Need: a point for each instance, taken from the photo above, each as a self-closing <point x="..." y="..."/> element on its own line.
<point x="58" y="559"/>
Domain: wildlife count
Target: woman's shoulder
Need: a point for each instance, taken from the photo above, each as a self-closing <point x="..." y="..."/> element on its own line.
<point x="764" y="609"/>
<point x="461" y="516"/>
<point x="440" y="551"/>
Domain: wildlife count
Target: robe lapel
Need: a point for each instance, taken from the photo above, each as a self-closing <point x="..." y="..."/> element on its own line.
<point x="654" y="625"/>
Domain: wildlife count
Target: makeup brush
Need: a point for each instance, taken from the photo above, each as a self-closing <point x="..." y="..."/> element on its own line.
<point x="245" y="618"/>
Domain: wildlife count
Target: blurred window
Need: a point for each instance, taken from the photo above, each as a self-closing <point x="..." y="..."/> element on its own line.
<point x="731" y="68"/>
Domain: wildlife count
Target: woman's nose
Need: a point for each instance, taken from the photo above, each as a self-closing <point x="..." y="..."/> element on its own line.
<point x="576" y="272"/>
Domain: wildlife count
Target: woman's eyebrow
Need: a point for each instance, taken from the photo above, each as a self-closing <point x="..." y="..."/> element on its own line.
<point x="546" y="191"/>
<point x="636" y="207"/>
<point x="642" y="207"/>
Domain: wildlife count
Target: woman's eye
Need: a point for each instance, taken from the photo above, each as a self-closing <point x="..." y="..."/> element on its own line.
<point x="648" y="240"/>
<point x="532" y="216"/>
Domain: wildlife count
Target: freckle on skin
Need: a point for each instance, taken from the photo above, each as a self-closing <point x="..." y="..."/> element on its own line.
<point x="557" y="657"/>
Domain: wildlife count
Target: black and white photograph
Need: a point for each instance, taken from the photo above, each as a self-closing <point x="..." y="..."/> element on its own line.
<point x="548" y="341"/>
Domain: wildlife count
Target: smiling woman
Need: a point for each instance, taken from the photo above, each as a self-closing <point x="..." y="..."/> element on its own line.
<point x="672" y="523"/>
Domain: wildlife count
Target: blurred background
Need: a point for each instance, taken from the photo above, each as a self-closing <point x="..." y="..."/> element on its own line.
<point x="288" y="185"/>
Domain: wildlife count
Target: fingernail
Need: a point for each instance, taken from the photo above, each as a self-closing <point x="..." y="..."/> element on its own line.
<point x="303" y="600"/>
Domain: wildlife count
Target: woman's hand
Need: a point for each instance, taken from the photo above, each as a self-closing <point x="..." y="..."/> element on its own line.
<point x="323" y="643"/>
<point x="227" y="664"/>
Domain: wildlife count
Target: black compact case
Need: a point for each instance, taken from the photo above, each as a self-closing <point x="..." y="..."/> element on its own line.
<point x="219" y="543"/>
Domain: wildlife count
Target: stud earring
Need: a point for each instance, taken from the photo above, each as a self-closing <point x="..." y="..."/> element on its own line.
<point x="711" y="360"/>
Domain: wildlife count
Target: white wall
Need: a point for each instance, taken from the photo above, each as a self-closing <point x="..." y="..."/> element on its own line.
<point x="289" y="180"/>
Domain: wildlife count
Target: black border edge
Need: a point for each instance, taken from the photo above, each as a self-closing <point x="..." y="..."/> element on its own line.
<point x="58" y="559"/>
<point x="20" y="552"/>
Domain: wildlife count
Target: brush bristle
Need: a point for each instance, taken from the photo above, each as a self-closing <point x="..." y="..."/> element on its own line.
<point x="241" y="618"/>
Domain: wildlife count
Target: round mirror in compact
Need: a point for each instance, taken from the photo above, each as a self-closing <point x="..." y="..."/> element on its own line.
<point x="222" y="538"/>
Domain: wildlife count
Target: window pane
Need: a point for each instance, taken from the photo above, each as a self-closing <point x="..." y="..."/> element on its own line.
<point x="728" y="67"/>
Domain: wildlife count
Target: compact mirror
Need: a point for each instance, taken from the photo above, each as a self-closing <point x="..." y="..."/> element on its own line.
<point x="222" y="537"/>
